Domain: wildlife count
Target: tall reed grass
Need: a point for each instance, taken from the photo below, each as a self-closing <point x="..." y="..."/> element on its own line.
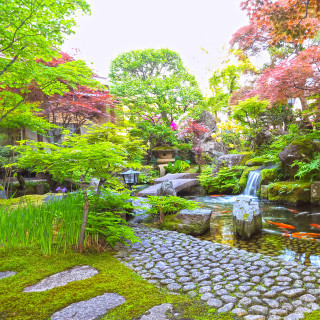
<point x="53" y="225"/>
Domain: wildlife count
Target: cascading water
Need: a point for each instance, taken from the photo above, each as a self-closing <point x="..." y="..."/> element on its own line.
<point x="252" y="183"/>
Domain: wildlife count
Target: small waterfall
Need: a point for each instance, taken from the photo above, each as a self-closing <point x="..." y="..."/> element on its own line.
<point x="252" y="183"/>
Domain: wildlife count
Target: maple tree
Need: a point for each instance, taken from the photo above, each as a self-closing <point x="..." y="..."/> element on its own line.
<point x="32" y="31"/>
<point x="286" y="30"/>
<point x="277" y="21"/>
<point x="191" y="130"/>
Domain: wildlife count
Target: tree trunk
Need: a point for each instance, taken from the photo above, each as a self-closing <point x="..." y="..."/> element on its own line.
<point x="84" y="220"/>
<point x="22" y="183"/>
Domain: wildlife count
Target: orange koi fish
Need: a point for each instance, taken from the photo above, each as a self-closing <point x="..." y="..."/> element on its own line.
<point x="315" y="225"/>
<point x="225" y="211"/>
<point x="294" y="211"/>
<point x="281" y="225"/>
<point x="215" y="195"/>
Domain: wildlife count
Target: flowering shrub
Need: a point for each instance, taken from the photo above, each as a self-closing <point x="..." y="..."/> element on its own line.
<point x="229" y="132"/>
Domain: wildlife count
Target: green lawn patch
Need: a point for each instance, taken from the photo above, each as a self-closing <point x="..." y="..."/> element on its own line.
<point x="113" y="276"/>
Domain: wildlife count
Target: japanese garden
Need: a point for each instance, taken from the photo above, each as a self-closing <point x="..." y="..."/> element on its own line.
<point x="142" y="196"/>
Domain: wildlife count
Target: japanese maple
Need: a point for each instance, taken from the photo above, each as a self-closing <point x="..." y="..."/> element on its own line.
<point x="193" y="131"/>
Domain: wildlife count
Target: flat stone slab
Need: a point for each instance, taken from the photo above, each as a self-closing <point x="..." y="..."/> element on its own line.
<point x="62" y="278"/>
<point x="7" y="274"/>
<point x="178" y="185"/>
<point x="157" y="312"/>
<point x="175" y="176"/>
<point x="90" y="309"/>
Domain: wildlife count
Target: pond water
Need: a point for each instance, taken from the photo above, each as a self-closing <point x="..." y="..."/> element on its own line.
<point x="288" y="232"/>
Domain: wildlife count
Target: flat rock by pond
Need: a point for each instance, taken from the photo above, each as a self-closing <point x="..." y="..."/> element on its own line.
<point x="7" y="274"/>
<point x="157" y="312"/>
<point x="251" y="284"/>
<point x="89" y="309"/>
<point x="62" y="278"/>
<point x="194" y="222"/>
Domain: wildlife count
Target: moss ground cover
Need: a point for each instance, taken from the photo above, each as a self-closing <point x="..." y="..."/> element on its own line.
<point x="113" y="276"/>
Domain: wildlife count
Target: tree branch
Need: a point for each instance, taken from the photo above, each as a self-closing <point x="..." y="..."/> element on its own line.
<point x="12" y="109"/>
<point x="11" y="62"/>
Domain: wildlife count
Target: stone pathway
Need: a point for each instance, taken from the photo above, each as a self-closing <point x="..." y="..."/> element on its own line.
<point x="7" y="274"/>
<point x="90" y="309"/>
<point x="157" y="312"/>
<point x="248" y="284"/>
<point x="62" y="278"/>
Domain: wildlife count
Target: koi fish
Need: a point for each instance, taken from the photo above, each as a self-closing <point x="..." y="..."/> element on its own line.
<point x="215" y="195"/>
<point x="294" y="211"/>
<point x="225" y="211"/>
<point x="281" y="225"/>
<point x="315" y="225"/>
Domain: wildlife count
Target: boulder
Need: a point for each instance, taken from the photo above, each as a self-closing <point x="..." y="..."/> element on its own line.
<point x="268" y="176"/>
<point x="291" y="192"/>
<point x="247" y="218"/>
<point x="264" y="192"/>
<point x="208" y="119"/>
<point x="166" y="189"/>
<point x="3" y="194"/>
<point x="192" y="222"/>
<point x="210" y="146"/>
<point x="301" y="149"/>
<point x="40" y="188"/>
<point x="213" y="148"/>
<point x="228" y="160"/>
<point x="315" y="192"/>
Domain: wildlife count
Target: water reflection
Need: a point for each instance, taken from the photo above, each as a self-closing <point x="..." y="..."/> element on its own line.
<point x="275" y="240"/>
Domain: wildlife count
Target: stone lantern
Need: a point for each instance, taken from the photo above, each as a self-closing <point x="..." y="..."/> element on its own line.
<point x="165" y="155"/>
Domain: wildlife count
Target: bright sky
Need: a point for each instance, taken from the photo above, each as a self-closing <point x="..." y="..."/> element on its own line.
<point x="185" y="26"/>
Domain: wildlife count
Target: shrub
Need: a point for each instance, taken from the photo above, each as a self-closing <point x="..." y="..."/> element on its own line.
<point x="177" y="167"/>
<point x="161" y="206"/>
<point x="225" y="181"/>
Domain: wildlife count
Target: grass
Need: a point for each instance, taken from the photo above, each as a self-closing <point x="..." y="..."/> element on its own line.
<point x="53" y="225"/>
<point x="113" y="276"/>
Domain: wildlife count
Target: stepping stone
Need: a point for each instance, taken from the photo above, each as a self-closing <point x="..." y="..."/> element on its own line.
<point x="157" y="312"/>
<point x="7" y="274"/>
<point x="90" y="309"/>
<point x="62" y="278"/>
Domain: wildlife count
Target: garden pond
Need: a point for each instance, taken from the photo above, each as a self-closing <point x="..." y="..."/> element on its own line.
<point x="290" y="233"/>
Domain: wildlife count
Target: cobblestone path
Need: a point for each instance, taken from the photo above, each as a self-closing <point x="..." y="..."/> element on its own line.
<point x="248" y="284"/>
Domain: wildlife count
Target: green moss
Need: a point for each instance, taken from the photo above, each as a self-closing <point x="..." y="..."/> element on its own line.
<point x="34" y="199"/>
<point x="165" y="148"/>
<point x="259" y="161"/>
<point x="306" y="146"/>
<point x="294" y="192"/>
<point x="172" y="223"/>
<point x="268" y="176"/>
<point x="244" y="177"/>
<point x="315" y="315"/>
<point x="247" y="155"/>
<point x="113" y="277"/>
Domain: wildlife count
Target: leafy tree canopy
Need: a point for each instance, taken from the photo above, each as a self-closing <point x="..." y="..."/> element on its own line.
<point x="154" y="83"/>
<point x="31" y="32"/>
